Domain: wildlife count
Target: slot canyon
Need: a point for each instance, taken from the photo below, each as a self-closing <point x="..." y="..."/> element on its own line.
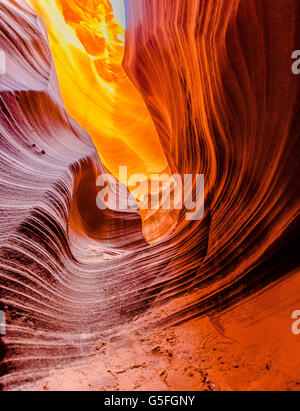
<point x="136" y="298"/>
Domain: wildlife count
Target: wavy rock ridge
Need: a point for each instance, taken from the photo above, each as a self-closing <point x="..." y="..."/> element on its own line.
<point x="227" y="108"/>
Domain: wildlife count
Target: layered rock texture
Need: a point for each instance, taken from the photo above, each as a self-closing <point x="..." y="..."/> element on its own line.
<point x="190" y="87"/>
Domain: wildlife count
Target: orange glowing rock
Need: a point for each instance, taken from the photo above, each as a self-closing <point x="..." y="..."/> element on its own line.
<point x="87" y="45"/>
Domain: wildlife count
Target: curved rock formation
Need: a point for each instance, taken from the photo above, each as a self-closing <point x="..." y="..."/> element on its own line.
<point x="216" y="78"/>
